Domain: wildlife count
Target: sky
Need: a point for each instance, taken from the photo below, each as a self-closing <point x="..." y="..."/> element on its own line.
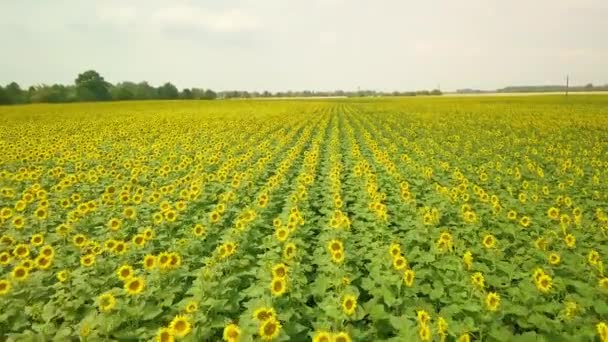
<point x="313" y="44"/>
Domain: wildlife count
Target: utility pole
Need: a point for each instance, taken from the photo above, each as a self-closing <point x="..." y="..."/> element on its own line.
<point x="567" y="84"/>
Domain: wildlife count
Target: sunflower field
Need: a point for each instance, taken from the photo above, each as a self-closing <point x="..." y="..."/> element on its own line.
<point x="433" y="219"/>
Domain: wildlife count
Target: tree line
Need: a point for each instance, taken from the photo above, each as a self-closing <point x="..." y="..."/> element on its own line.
<point x="91" y="86"/>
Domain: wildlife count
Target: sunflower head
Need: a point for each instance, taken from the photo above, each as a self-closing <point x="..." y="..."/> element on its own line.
<point x="289" y="250"/>
<point x="124" y="272"/>
<point x="278" y="286"/>
<point x="165" y="335"/>
<point x="554" y="258"/>
<point x="5" y="287"/>
<point x="264" y="314"/>
<point x="423" y="317"/>
<point x="270" y="329"/>
<point x="180" y="326"/>
<point x="279" y="270"/>
<point x="408" y="277"/>
<point x="322" y="336"/>
<point x="492" y="301"/>
<point x="342" y="337"/>
<point x="349" y="304"/>
<point x="106" y="302"/>
<point x="489" y="241"/>
<point x="232" y="333"/>
<point x="134" y="285"/>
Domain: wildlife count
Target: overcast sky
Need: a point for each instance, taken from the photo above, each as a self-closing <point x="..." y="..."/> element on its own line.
<point x="309" y="44"/>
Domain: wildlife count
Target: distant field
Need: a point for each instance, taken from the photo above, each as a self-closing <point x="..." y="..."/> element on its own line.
<point x="531" y="93"/>
<point x="370" y="219"/>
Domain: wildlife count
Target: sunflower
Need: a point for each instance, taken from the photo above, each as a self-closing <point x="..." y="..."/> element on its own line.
<point x="478" y="280"/>
<point x="603" y="283"/>
<point x="175" y="260"/>
<point x="20" y="273"/>
<point x="282" y="234"/>
<point x="134" y="285"/>
<point x="602" y="331"/>
<point x="148" y="233"/>
<point x="164" y="260"/>
<point x="79" y="240"/>
<point x="442" y="326"/>
<point x="114" y="224"/>
<point x="279" y="271"/>
<point x="129" y="213"/>
<point x="6" y="213"/>
<point x="191" y="307"/>
<point x="120" y="247"/>
<point x="570" y="240"/>
<point x="467" y="260"/>
<point x="544" y="283"/>
<point x="264" y="313"/>
<point x="464" y="337"/>
<point x="564" y="219"/>
<point x="180" y="326"/>
<point x="19" y="206"/>
<point x="232" y="333"/>
<point x="524" y="221"/>
<point x="198" y="230"/>
<point x="180" y="205"/>
<point x="18" y="222"/>
<point x="349" y="304"/>
<point x="554" y="258"/>
<point x="492" y="301"/>
<point x="139" y="240"/>
<point x="593" y="257"/>
<point x="342" y="337"/>
<point x="62" y="275"/>
<point x="106" y="302"/>
<point x="109" y="244"/>
<point x="5" y="258"/>
<point x="322" y="336"/>
<point x="125" y="272"/>
<point x="43" y="262"/>
<point x="337" y="257"/>
<point x="5" y="287"/>
<point x="278" y="286"/>
<point x="269" y="330"/>
<point x="230" y="248"/>
<point x="87" y="260"/>
<point x="28" y="264"/>
<point x="399" y="263"/>
<point x="21" y="251"/>
<point x="423" y="317"/>
<point x="170" y="215"/>
<point x="408" y="277"/>
<point x="47" y="251"/>
<point x="37" y="240"/>
<point x="157" y="218"/>
<point x="553" y="213"/>
<point x="335" y="246"/>
<point x="424" y="332"/>
<point x="214" y="216"/>
<point x="512" y="215"/>
<point x="540" y="243"/>
<point x="289" y="250"/>
<point x="489" y="241"/>
<point x="165" y="335"/>
<point x="394" y="250"/>
<point x="149" y="262"/>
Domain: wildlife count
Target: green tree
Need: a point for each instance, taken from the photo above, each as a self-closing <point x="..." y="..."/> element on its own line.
<point x="15" y="94"/>
<point x="90" y="86"/>
<point x="209" y="95"/>
<point x="168" y="91"/>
